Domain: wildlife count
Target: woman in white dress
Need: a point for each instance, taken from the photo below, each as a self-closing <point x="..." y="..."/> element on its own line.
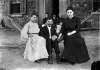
<point x="36" y="45"/>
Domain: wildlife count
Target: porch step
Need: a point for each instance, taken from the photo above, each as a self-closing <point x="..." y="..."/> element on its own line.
<point x="88" y="17"/>
<point x="15" y="25"/>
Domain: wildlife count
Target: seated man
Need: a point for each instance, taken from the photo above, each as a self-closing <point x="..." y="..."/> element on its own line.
<point x="49" y="33"/>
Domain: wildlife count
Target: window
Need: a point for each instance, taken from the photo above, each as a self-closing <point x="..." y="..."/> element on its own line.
<point x="14" y="8"/>
<point x="18" y="7"/>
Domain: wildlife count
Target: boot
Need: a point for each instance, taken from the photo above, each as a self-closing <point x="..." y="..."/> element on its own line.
<point x="58" y="59"/>
<point x="50" y="61"/>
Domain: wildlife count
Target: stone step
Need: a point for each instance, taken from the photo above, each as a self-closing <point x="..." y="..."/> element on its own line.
<point x="12" y="21"/>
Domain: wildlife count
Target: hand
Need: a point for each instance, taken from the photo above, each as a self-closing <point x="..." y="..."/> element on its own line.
<point x="54" y="37"/>
<point x="59" y="35"/>
<point x="43" y="25"/>
<point x="69" y="33"/>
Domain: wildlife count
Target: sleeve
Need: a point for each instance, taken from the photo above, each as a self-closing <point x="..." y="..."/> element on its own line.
<point x="62" y="28"/>
<point x="38" y="29"/>
<point x="78" y="25"/>
<point x="41" y="33"/>
<point x="24" y="33"/>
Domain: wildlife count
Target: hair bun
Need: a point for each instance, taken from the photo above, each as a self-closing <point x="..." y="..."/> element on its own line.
<point x="33" y="13"/>
<point x="69" y="8"/>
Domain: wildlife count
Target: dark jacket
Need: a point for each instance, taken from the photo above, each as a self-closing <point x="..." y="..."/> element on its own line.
<point x="44" y="32"/>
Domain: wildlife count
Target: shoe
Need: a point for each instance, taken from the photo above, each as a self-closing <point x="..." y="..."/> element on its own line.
<point x="50" y="61"/>
<point x="73" y="63"/>
<point x="58" y="59"/>
<point x="37" y="61"/>
<point x="64" y="60"/>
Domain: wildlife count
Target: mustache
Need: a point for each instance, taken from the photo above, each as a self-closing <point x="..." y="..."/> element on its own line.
<point x="49" y="24"/>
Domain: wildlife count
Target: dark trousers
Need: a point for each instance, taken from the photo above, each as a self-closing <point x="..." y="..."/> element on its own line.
<point x="50" y="44"/>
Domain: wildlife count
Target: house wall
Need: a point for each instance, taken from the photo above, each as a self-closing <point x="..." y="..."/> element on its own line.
<point x="1" y="8"/>
<point x="63" y="4"/>
<point x="45" y="6"/>
<point x="49" y="7"/>
<point x="31" y="5"/>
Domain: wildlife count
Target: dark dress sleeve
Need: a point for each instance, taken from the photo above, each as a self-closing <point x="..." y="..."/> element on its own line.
<point x="78" y="25"/>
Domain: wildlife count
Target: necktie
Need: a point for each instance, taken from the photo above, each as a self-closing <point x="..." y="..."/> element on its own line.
<point x="49" y="31"/>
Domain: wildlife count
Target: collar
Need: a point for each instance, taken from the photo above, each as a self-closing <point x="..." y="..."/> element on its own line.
<point x="48" y="26"/>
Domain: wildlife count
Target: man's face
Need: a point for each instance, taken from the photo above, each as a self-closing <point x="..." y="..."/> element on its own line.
<point x="49" y="22"/>
<point x="54" y="16"/>
<point x="46" y="15"/>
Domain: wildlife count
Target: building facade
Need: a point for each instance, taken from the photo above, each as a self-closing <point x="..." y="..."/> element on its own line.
<point x="22" y="8"/>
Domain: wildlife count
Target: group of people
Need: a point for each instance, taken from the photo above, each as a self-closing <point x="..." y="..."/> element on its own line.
<point x="42" y="40"/>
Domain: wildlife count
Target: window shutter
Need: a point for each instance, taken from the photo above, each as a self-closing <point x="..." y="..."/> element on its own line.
<point x="23" y="7"/>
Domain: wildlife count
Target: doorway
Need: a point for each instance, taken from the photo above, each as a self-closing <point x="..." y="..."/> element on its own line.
<point x="55" y="10"/>
<point x="96" y="5"/>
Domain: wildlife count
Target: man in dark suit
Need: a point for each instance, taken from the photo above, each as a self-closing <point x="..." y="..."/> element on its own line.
<point x="55" y="20"/>
<point x="49" y="33"/>
<point x="45" y="19"/>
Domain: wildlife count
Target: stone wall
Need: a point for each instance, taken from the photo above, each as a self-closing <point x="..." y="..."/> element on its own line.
<point x="1" y="5"/>
<point x="1" y="8"/>
<point x="31" y="6"/>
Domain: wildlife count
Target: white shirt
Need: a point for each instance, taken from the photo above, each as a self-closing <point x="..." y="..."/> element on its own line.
<point x="58" y="28"/>
<point x="49" y="28"/>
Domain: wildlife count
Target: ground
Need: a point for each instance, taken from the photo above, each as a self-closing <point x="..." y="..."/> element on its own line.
<point x="12" y="48"/>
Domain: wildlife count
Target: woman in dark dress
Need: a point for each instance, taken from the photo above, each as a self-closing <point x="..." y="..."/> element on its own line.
<point x="75" y="50"/>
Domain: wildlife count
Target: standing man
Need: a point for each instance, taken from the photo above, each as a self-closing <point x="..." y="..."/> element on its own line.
<point x="49" y="33"/>
<point x="45" y="19"/>
<point x="60" y="19"/>
<point x="54" y="20"/>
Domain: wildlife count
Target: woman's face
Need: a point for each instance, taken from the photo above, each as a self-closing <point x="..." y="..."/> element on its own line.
<point x="34" y="18"/>
<point x="70" y="13"/>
